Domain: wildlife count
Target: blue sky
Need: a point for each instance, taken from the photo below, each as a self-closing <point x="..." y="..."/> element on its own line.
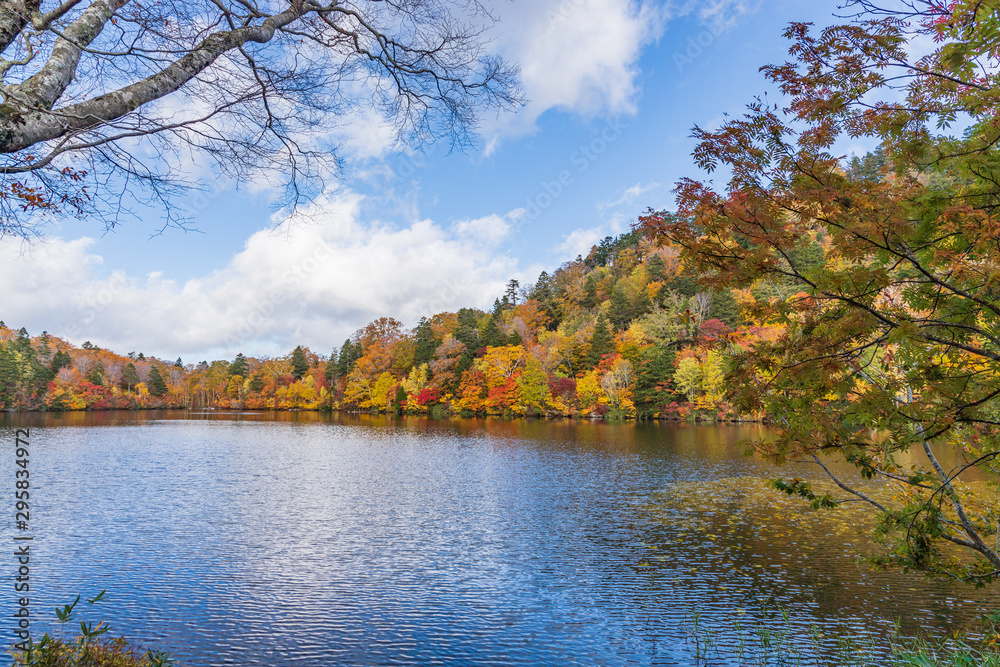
<point x="615" y="87"/>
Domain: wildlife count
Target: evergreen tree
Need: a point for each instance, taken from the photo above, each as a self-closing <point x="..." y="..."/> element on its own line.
<point x="33" y="375"/>
<point x="867" y="168"/>
<point x="656" y="269"/>
<point x="330" y="373"/>
<point x="684" y="285"/>
<point x="492" y="336"/>
<point x="157" y="385"/>
<point x="510" y="296"/>
<point x="544" y="292"/>
<point x="426" y="342"/>
<point x="726" y="308"/>
<point x="130" y="377"/>
<point x="256" y="382"/>
<point x="589" y="292"/>
<point x="240" y="366"/>
<point x="179" y="363"/>
<point x="349" y="353"/>
<point x="467" y="331"/>
<point x="9" y="379"/>
<point x="60" y="360"/>
<point x="620" y="310"/>
<point x="299" y="363"/>
<point x="654" y="381"/>
<point x="96" y="374"/>
<point x="601" y="343"/>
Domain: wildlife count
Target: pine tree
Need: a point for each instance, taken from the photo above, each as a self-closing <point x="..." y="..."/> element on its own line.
<point x="492" y="336"/>
<point x="620" y="310"/>
<point x="8" y="377"/>
<point x="656" y="269"/>
<point x="467" y="331"/>
<point x="510" y="296"/>
<point x="589" y="292"/>
<point x="330" y="372"/>
<point x="96" y="374"/>
<point x="299" y="363"/>
<point x="349" y="353"/>
<point x="179" y="363"/>
<point x="130" y="377"/>
<point x="60" y="360"/>
<point x="157" y="385"/>
<point x="654" y="379"/>
<point x="240" y="366"/>
<point x="601" y="343"/>
<point x="426" y="342"/>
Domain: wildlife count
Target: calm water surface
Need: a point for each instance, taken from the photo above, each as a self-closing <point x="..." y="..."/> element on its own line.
<point x="243" y="539"/>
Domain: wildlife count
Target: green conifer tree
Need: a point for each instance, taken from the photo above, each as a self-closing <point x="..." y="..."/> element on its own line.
<point x="601" y="343"/>
<point x="240" y="366"/>
<point x="300" y="366"/>
<point x="130" y="377"/>
<point x="426" y="342"/>
<point x="157" y="385"/>
<point x="96" y="374"/>
<point x="330" y="372"/>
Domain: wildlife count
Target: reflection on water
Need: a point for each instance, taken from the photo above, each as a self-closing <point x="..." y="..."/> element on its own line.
<point x="304" y="539"/>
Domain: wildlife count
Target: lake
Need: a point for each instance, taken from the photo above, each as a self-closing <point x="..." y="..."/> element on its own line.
<point x="306" y="539"/>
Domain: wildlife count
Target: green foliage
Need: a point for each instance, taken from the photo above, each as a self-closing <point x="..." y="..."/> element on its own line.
<point x="130" y="377"/>
<point x="330" y="372"/>
<point x="867" y="168"/>
<point x="91" y="648"/>
<point x="60" y="360"/>
<point x="300" y="365"/>
<point x="240" y="366"/>
<point x="600" y="343"/>
<point x="349" y="354"/>
<point x="157" y="385"/>
<point x="798" y="487"/>
<point x="654" y="380"/>
<point x="96" y="374"/>
<point x="426" y="342"/>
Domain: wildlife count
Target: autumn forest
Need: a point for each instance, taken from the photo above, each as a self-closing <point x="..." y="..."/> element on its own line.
<point x="625" y="332"/>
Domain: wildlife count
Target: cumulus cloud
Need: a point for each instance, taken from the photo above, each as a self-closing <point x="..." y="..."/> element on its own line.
<point x="576" y="55"/>
<point x="312" y="281"/>
<point x="582" y="56"/>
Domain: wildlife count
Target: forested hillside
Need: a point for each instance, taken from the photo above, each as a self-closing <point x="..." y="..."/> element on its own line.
<point x="625" y="332"/>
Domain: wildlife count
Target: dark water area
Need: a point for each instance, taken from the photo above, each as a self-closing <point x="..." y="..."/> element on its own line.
<point x="307" y="539"/>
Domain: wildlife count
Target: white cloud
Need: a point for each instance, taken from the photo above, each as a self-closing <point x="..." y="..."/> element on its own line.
<point x="629" y="196"/>
<point x="312" y="282"/>
<point x="582" y="56"/>
<point x="576" y="55"/>
<point x="490" y="229"/>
